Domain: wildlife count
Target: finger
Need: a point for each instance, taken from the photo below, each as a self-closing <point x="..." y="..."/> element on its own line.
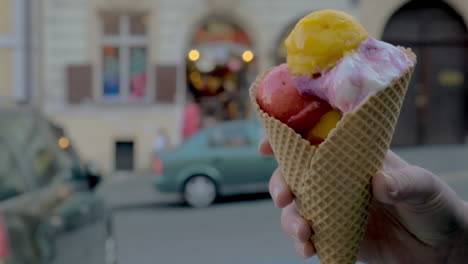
<point x="305" y="250"/>
<point x="384" y="187"/>
<point x="265" y="148"/>
<point x="279" y="190"/>
<point x="393" y="162"/>
<point x="294" y="225"/>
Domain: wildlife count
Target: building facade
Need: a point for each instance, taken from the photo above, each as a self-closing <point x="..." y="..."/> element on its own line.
<point x="436" y="108"/>
<point x="115" y="72"/>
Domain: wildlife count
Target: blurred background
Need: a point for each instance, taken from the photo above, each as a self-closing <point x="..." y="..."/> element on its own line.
<point x="126" y="135"/>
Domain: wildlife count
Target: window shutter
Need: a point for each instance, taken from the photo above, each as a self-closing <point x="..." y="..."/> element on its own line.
<point x="166" y="83"/>
<point x="79" y="83"/>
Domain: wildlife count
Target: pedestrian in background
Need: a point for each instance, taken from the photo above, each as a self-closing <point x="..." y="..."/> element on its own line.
<point x="192" y="118"/>
<point x="160" y="144"/>
<point x="161" y="141"/>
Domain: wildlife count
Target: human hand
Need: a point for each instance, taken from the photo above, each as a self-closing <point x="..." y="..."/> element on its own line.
<point x="414" y="216"/>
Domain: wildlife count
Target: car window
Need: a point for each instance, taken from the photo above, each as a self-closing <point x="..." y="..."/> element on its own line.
<point x="229" y="137"/>
<point x="11" y="181"/>
<point x="45" y="163"/>
<point x="33" y="136"/>
<point x="16" y="127"/>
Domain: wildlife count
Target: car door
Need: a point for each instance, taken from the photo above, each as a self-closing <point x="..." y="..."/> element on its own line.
<point x="235" y="155"/>
<point x="75" y="219"/>
<point x="265" y="165"/>
<point x="16" y="223"/>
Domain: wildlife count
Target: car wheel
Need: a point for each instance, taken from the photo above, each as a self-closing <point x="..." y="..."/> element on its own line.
<point x="199" y="191"/>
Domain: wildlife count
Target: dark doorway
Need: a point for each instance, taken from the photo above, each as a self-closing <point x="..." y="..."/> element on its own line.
<point x="435" y="109"/>
<point x="124" y="155"/>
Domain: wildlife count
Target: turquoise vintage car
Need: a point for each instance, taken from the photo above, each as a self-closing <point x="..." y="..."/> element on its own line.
<point x="217" y="161"/>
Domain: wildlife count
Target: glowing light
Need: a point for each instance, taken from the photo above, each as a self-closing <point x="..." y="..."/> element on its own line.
<point x="64" y="143"/>
<point x="63" y="192"/>
<point x="247" y="56"/>
<point x="196" y="79"/>
<point x="194" y="55"/>
<point x="195" y="76"/>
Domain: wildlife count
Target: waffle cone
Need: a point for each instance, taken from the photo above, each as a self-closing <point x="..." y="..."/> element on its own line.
<point x="332" y="182"/>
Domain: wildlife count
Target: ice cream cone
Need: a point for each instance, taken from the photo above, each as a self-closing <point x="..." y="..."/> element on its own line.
<point x="332" y="182"/>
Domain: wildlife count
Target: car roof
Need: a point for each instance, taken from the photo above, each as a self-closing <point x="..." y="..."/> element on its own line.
<point x="197" y="137"/>
<point x="18" y="119"/>
<point x="19" y="111"/>
<point x="234" y="123"/>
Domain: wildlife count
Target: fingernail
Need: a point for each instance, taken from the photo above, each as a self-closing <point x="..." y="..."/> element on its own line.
<point x="300" y="249"/>
<point x="392" y="185"/>
<point x="276" y="192"/>
<point x="303" y="253"/>
<point x="297" y="227"/>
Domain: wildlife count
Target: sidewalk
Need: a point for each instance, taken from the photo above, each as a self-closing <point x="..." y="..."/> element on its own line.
<point x="127" y="189"/>
<point x="438" y="159"/>
<point x="449" y="162"/>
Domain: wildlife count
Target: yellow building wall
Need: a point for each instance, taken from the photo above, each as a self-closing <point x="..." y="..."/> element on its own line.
<point x="94" y="135"/>
<point x="5" y="17"/>
<point x="5" y="72"/>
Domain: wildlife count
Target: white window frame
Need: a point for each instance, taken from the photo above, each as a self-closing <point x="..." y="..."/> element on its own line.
<point x="15" y="42"/>
<point x="124" y="41"/>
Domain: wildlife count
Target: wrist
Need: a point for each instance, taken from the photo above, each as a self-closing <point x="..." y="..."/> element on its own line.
<point x="459" y="253"/>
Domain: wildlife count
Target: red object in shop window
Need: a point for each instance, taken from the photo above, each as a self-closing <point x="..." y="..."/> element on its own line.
<point x="4" y="243"/>
<point x="192" y="120"/>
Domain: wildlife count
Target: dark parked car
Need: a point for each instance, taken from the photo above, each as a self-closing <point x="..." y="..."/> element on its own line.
<point x="222" y="160"/>
<point x="48" y="210"/>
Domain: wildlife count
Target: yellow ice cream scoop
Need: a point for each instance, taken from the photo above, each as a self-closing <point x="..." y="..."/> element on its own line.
<point x="320" y="39"/>
<point x="326" y="124"/>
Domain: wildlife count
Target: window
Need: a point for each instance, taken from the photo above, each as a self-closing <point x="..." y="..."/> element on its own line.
<point x="5" y="72"/>
<point x="229" y="137"/>
<point x="124" y="56"/>
<point x="5" y="17"/>
<point x="11" y="181"/>
<point x="12" y="49"/>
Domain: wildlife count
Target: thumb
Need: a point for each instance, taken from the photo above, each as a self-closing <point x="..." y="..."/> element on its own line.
<point x="411" y="184"/>
<point x="422" y="202"/>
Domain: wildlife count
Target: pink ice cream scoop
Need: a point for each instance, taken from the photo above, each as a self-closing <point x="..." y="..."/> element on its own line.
<point x="279" y="96"/>
<point x="358" y="75"/>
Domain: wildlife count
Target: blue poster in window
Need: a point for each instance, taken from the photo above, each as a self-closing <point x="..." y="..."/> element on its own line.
<point x="111" y="76"/>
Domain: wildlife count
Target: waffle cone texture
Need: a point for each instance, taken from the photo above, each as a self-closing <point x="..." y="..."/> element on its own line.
<point x="332" y="182"/>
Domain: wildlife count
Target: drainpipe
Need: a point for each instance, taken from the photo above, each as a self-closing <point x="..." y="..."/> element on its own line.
<point x="27" y="47"/>
<point x="33" y="45"/>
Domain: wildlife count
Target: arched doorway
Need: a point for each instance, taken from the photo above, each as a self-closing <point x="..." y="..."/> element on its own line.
<point x="220" y="66"/>
<point x="280" y="52"/>
<point x="435" y="109"/>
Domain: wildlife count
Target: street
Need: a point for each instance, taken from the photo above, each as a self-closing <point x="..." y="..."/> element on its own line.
<point x="153" y="228"/>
